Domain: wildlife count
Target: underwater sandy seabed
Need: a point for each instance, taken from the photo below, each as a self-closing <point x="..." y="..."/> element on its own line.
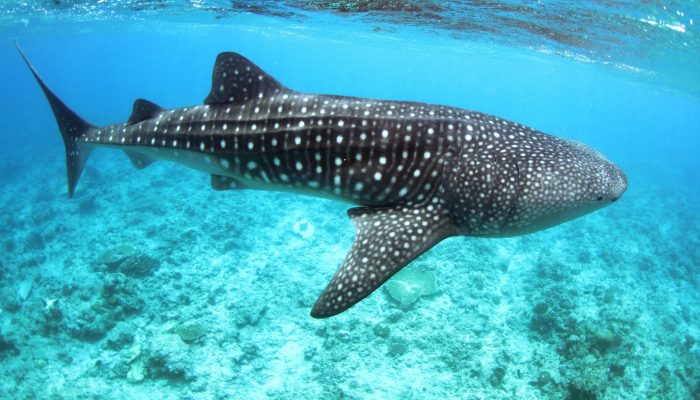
<point x="148" y="284"/>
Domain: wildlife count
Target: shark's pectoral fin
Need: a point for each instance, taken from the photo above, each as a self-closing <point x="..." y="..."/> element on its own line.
<point x="221" y="182"/>
<point x="236" y="80"/>
<point x="143" y="110"/>
<point x="387" y="239"/>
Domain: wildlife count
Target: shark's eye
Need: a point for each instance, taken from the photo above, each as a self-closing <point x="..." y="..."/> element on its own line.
<point x="600" y="198"/>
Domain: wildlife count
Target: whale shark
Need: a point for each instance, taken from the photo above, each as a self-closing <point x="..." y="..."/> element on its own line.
<point x="418" y="173"/>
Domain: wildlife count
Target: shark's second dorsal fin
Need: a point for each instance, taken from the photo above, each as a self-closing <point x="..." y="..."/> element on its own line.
<point x="143" y="110"/>
<point x="237" y="80"/>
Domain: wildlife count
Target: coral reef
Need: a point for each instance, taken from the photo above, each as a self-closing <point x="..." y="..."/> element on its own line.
<point x="167" y="357"/>
<point x="129" y="261"/>
<point x="409" y="284"/>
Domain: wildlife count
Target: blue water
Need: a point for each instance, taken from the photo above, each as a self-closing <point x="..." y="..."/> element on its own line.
<point x="213" y="298"/>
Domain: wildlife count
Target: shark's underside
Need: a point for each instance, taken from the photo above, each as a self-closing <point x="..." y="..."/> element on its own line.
<point x="419" y="172"/>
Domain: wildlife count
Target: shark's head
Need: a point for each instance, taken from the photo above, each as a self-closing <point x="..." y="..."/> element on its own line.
<point x="534" y="185"/>
<point x="571" y="182"/>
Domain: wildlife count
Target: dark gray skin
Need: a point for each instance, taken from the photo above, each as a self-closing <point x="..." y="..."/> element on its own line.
<point x="420" y="172"/>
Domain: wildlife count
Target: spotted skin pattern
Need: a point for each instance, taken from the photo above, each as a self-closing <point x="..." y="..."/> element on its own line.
<point x="420" y="173"/>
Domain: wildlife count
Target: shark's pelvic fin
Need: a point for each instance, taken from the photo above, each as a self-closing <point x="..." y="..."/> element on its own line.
<point x="387" y="239"/>
<point x="237" y="80"/>
<point x="143" y="110"/>
<point x="72" y="127"/>
<point x="139" y="160"/>
<point x="220" y="182"/>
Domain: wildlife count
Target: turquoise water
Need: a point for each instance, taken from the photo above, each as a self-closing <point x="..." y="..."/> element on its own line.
<point x="150" y="284"/>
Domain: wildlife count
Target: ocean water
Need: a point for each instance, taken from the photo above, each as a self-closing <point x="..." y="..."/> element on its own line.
<point x="149" y="284"/>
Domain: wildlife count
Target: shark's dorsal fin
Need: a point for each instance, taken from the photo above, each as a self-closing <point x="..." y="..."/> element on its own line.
<point x="143" y="110"/>
<point x="237" y="80"/>
<point x="387" y="240"/>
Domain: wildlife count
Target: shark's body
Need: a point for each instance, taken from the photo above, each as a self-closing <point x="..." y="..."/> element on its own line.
<point x="420" y="172"/>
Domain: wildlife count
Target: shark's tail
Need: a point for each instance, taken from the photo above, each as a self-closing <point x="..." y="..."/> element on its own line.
<point x="72" y="127"/>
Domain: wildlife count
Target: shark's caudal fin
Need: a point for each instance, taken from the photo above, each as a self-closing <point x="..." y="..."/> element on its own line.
<point x="72" y="127"/>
